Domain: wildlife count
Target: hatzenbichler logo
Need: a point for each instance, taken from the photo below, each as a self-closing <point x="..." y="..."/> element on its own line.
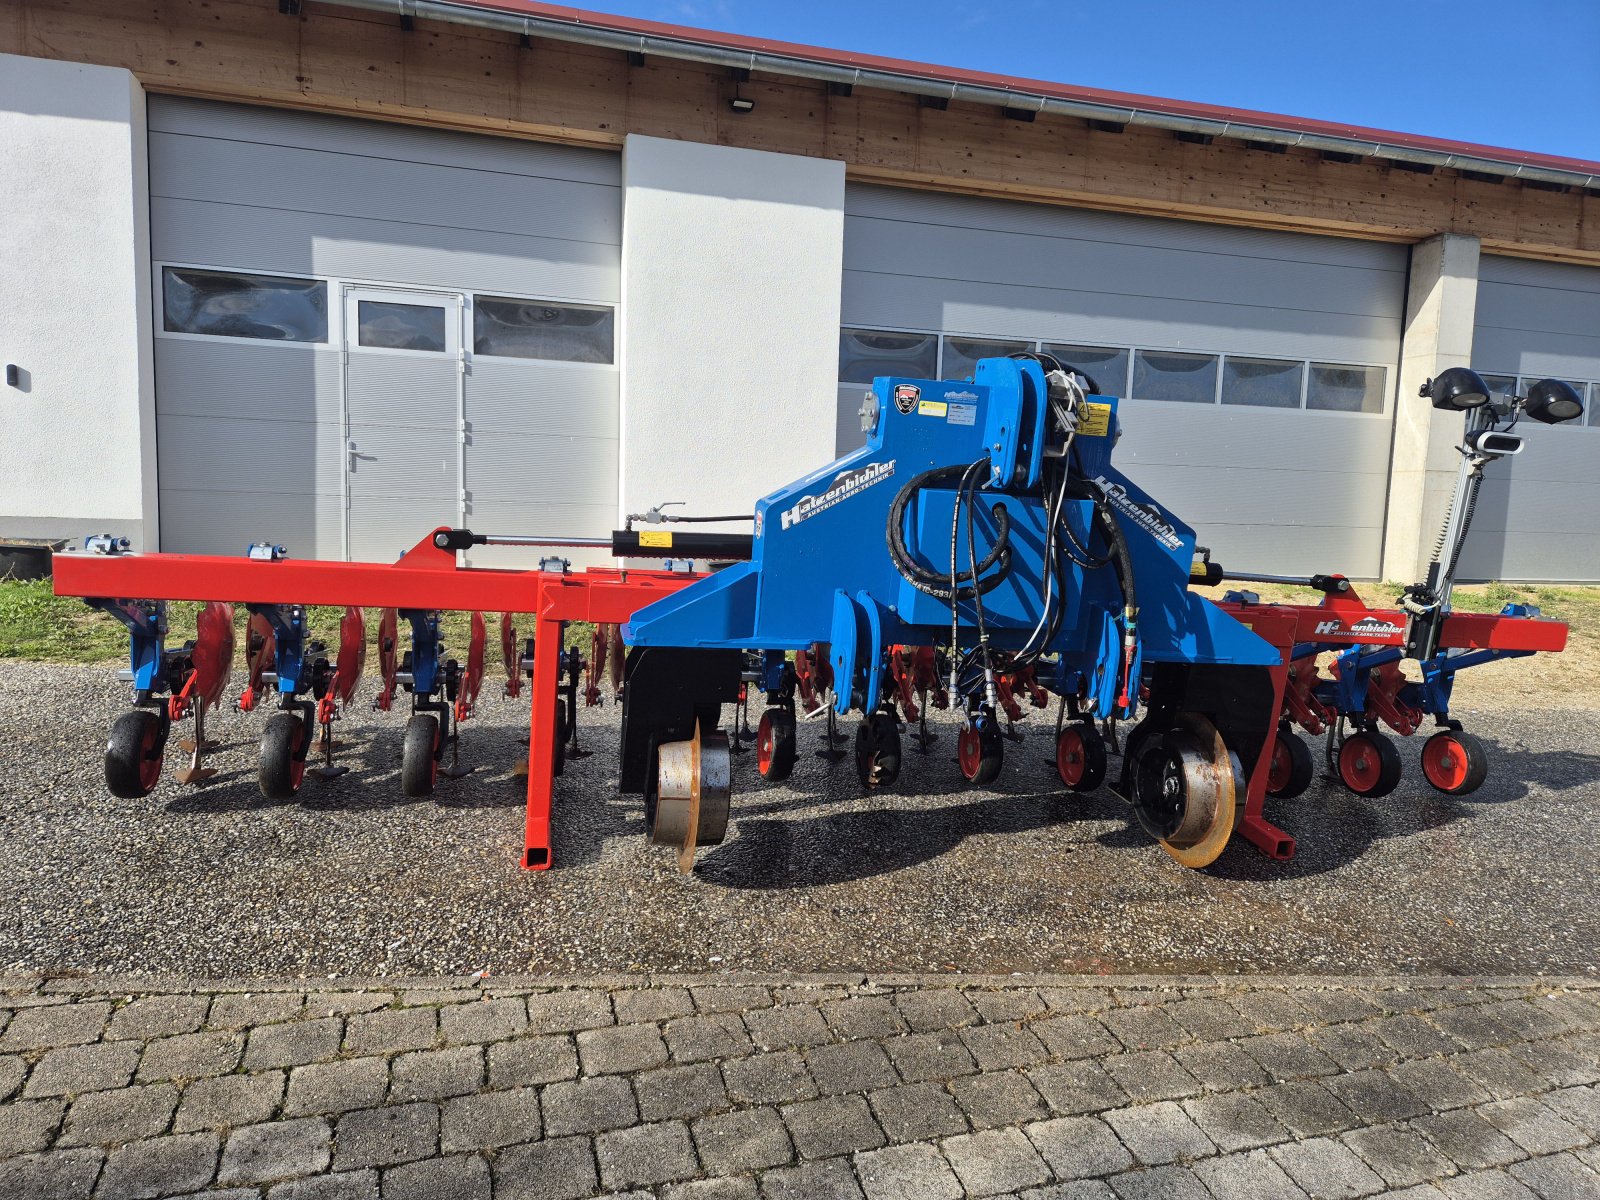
<point x="845" y="485"/>
<point x="1145" y="515"/>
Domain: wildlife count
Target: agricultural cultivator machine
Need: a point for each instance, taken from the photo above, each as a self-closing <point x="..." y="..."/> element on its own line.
<point x="980" y="552"/>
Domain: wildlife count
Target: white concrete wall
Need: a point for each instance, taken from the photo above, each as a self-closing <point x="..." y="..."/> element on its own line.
<point x="731" y="267"/>
<point x="77" y="437"/>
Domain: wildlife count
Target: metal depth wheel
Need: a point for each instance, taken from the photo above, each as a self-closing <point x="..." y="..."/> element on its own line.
<point x="1369" y="765"/>
<point x="419" y="755"/>
<point x="1081" y="758"/>
<point x="1185" y="784"/>
<point x="283" y="756"/>
<point x="1455" y="762"/>
<point x="134" y="752"/>
<point x="981" y="752"/>
<point x="775" y="744"/>
<point x="878" y="750"/>
<point x="1291" y="770"/>
<point x="691" y="794"/>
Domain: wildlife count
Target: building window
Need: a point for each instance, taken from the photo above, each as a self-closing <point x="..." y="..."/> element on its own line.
<point x="1185" y="378"/>
<point x="582" y="333"/>
<point x="390" y="325"/>
<point x="1107" y="367"/>
<point x="1336" y="388"/>
<point x="961" y="354"/>
<point x="229" y="304"/>
<point x="1501" y="385"/>
<point x="1262" y="382"/>
<point x="865" y="354"/>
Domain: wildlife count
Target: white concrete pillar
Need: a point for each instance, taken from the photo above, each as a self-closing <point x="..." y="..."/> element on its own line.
<point x="731" y="273"/>
<point x="77" y="433"/>
<point x="1441" y="306"/>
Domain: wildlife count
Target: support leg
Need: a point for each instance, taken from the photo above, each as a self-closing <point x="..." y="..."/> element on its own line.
<point x="542" y="742"/>
<point x="1261" y="833"/>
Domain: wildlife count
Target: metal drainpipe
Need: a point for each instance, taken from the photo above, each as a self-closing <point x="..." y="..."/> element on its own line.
<point x="702" y="52"/>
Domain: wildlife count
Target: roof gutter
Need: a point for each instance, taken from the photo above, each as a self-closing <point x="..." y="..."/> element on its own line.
<point x="534" y="25"/>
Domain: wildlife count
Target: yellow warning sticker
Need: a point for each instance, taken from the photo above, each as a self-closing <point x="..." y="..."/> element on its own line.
<point x="1094" y="420"/>
<point x="932" y="408"/>
<point x="656" y="537"/>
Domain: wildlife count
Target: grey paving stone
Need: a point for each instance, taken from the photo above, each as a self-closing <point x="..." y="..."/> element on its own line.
<point x="1375" y="1097"/>
<point x="646" y="1154"/>
<point x="346" y="1004"/>
<point x="336" y="1087"/>
<point x="589" y="1106"/>
<point x="190" y="1056"/>
<point x="1352" y="1047"/>
<point x="1436" y="1083"/>
<point x="1557" y="1063"/>
<point x="241" y="1010"/>
<point x="863" y="1017"/>
<point x="1268" y="1009"/>
<point x="1472" y="1026"/>
<point x="1249" y="1176"/>
<point x="920" y="1056"/>
<point x="1337" y="1004"/>
<point x="1211" y="1020"/>
<point x="994" y="1161"/>
<point x="293" y="1044"/>
<point x="1159" y="1133"/>
<point x="1307" y="1109"/>
<point x="26" y="1126"/>
<point x="620" y="1049"/>
<point x="832" y="1126"/>
<point x="1221" y="1066"/>
<point x="907" y="1173"/>
<point x="998" y="1098"/>
<point x="103" y="1118"/>
<point x="751" y="1139"/>
<point x="281" y="1150"/>
<point x="1288" y="1056"/>
<point x="346" y="1185"/>
<point x="776" y="1078"/>
<point x="1159" y="1183"/>
<point x="12" y="1069"/>
<point x="1402" y="1156"/>
<point x="464" y="1177"/>
<point x="730" y="997"/>
<point x="160" y="1166"/>
<point x="158" y="1016"/>
<point x="391" y="1030"/>
<point x="1078" y="1147"/>
<point x="1501" y="1074"/>
<point x="489" y="1120"/>
<point x="1467" y="1140"/>
<point x="532" y="1060"/>
<point x="788" y="1026"/>
<point x="681" y="1092"/>
<point x="1075" y="1036"/>
<point x="633" y="1005"/>
<point x="229" y="1101"/>
<point x="221" y="1194"/>
<point x="1557" y="1175"/>
<point x="850" y="1067"/>
<point x="743" y="1188"/>
<point x="55" y="1025"/>
<point x="1235" y="1121"/>
<point x="1485" y="1185"/>
<point x="1531" y="1125"/>
<point x="75" y="1069"/>
<point x="827" y="1179"/>
<point x="436" y="1074"/>
<point x="1006" y="1004"/>
<point x="1148" y="1075"/>
<point x="716" y="1035"/>
<point x="557" y="1169"/>
<point x="1076" y="1087"/>
<point x="483" y="1020"/>
<point x="1145" y="1028"/>
<point x="1412" y="1035"/>
<point x="380" y="1137"/>
<point x="569" y="1011"/>
<point x="1327" y="1169"/>
<point x="928" y="1009"/>
<point x="61" y="1175"/>
<point x="916" y="1111"/>
<point x="1078" y="1189"/>
<point x="1578" y="1106"/>
<point x="996" y="1047"/>
<point x="1523" y="1019"/>
<point x="1420" y="1191"/>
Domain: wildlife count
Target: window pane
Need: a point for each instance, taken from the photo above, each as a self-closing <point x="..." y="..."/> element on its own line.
<point x="227" y="304"/>
<point x="961" y="354"/>
<point x="1503" y="385"/>
<point x="865" y="354"/>
<point x="1591" y="401"/>
<point x="391" y="326"/>
<point x="1187" y="378"/>
<point x="539" y="329"/>
<point x="1345" y="389"/>
<point x="1108" y="368"/>
<point x="1265" y="382"/>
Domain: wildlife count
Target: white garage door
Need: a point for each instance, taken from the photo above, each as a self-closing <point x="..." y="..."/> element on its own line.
<point x="1260" y="365"/>
<point x="1538" y="514"/>
<point x="365" y="330"/>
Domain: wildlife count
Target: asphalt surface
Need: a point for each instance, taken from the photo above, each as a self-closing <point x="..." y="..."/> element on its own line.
<point x="353" y="878"/>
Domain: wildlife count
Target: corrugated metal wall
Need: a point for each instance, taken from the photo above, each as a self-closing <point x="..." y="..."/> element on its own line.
<point x="251" y="432"/>
<point x="1279" y="489"/>
<point x="1536" y="515"/>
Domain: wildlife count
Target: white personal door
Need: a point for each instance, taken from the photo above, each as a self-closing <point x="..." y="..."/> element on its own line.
<point x="403" y="369"/>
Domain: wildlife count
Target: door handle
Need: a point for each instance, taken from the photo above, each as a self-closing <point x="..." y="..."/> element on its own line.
<point x="355" y="454"/>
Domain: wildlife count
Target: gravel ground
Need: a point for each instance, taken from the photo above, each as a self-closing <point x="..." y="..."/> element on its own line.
<point x="352" y="878"/>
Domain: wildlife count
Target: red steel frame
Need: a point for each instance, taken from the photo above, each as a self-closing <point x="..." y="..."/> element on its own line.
<point x="426" y="577"/>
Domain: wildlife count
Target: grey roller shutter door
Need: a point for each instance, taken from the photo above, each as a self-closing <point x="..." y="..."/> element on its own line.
<point x="1268" y="489"/>
<point x="252" y="434"/>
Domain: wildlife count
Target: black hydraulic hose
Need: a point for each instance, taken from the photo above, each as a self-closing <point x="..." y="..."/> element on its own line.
<point x="959" y="585"/>
<point x="1466" y="522"/>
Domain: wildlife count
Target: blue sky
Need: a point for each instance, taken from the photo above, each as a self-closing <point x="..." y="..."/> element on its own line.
<point x="1517" y="73"/>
